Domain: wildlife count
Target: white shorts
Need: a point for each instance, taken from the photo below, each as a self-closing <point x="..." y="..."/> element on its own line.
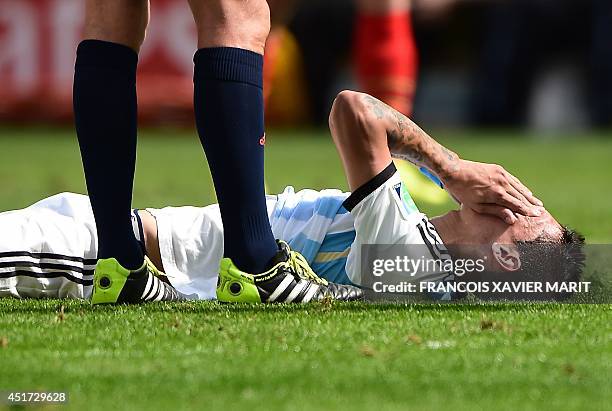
<point x="49" y="249"/>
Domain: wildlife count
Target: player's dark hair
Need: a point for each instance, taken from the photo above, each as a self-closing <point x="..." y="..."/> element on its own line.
<point x="559" y="260"/>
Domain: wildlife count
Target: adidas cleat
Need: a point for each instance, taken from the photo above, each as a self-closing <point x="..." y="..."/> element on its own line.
<point x="114" y="284"/>
<point x="290" y="280"/>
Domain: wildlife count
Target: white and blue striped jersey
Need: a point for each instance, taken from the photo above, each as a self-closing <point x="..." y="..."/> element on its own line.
<point x="316" y="224"/>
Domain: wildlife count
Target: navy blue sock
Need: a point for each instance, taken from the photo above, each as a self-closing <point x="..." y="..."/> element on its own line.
<point x="228" y="101"/>
<point x="105" y="118"/>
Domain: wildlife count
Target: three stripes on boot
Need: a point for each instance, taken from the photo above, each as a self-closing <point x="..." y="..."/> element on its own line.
<point x="157" y="290"/>
<point x="291" y="291"/>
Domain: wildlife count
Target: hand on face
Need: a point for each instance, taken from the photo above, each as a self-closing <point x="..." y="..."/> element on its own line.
<point x="490" y="189"/>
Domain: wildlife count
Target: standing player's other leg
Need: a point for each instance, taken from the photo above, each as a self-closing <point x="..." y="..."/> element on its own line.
<point x="228" y="99"/>
<point x="105" y="118"/>
<point x="385" y="52"/>
<point x="228" y="102"/>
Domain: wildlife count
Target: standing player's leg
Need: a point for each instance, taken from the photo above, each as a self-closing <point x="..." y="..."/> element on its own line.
<point x="228" y="101"/>
<point x="229" y="111"/>
<point x="385" y="52"/>
<point x="105" y="118"/>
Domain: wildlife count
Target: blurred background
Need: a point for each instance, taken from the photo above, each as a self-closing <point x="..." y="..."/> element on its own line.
<point x="542" y="64"/>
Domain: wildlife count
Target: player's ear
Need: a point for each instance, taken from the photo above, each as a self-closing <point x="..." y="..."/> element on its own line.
<point x="507" y="256"/>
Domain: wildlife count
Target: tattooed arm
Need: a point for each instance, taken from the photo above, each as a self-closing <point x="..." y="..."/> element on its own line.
<point x="409" y="142"/>
<point x="486" y="188"/>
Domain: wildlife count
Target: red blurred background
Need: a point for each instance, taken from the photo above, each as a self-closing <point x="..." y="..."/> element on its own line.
<point x="38" y="39"/>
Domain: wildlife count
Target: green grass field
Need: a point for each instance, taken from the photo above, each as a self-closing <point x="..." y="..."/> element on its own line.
<point x="340" y="356"/>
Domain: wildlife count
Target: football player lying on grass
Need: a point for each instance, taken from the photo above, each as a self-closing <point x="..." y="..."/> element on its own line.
<point x="49" y="248"/>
